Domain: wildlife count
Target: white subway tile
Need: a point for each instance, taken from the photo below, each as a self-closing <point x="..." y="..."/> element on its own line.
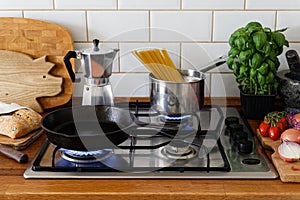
<point x="272" y="4"/>
<point x="103" y="47"/>
<point x="118" y="25"/>
<point x="213" y="4"/>
<point x="28" y="4"/>
<point x="90" y="4"/>
<point x="181" y="25"/>
<point x="199" y="55"/>
<point x="224" y="85"/>
<point x="74" y="21"/>
<point x="10" y="13"/>
<point x="289" y="19"/>
<point x="149" y="4"/>
<point x="130" y="84"/>
<point x="226" y="22"/>
<point x="129" y="63"/>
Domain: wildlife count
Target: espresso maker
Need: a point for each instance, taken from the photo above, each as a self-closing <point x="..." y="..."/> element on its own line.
<point x="97" y="68"/>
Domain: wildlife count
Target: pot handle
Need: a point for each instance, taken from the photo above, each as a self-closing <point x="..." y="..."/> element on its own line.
<point x="220" y="61"/>
<point x="71" y="54"/>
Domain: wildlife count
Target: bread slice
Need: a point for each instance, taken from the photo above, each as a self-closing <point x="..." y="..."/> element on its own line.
<point x="19" y="123"/>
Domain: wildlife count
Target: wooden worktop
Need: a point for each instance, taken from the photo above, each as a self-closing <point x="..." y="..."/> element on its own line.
<point x="14" y="186"/>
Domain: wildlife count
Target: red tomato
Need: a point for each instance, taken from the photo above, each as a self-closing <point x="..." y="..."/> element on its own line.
<point x="283" y="120"/>
<point x="264" y="129"/>
<point x="274" y="133"/>
<point x="280" y="126"/>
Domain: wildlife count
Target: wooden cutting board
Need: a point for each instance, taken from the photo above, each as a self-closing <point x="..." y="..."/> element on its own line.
<point x="288" y="172"/>
<point x="23" y="79"/>
<point x="37" y="39"/>
<point x="23" y="142"/>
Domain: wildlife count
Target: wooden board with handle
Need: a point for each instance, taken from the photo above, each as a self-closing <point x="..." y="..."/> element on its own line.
<point x="37" y="39"/>
<point x="23" y="80"/>
<point x="288" y="172"/>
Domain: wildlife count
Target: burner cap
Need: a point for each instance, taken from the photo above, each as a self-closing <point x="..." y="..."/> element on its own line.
<point x="178" y="149"/>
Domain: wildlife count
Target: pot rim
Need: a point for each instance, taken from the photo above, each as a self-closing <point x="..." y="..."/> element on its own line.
<point x="184" y="72"/>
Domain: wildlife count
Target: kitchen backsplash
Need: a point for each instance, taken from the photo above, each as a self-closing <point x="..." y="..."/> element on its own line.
<point x="195" y="32"/>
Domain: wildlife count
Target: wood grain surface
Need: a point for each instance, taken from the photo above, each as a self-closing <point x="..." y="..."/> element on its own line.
<point x="38" y="38"/>
<point x="288" y="172"/>
<point x="14" y="186"/>
<point x="23" y="80"/>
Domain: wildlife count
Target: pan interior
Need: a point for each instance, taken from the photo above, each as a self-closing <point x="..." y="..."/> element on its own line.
<point x="88" y="121"/>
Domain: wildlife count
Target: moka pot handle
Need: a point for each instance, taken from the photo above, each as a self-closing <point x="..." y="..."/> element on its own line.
<point x="68" y="56"/>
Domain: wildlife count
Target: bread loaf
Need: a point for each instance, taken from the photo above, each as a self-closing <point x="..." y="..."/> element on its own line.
<point x="19" y="123"/>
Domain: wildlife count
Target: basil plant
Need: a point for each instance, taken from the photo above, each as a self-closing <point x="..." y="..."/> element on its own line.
<point x="253" y="57"/>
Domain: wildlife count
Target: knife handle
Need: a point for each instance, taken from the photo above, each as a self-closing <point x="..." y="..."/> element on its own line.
<point x="14" y="154"/>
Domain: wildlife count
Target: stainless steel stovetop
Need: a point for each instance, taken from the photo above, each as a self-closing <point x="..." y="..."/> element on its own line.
<point x="215" y="152"/>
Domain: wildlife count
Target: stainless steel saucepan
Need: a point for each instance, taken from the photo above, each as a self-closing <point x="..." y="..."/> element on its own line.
<point x="181" y="98"/>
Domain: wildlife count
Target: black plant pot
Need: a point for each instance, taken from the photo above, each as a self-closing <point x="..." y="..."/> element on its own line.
<point x="256" y="106"/>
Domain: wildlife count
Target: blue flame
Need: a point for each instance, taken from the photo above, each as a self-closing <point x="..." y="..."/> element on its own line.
<point x="82" y="153"/>
<point x="177" y="118"/>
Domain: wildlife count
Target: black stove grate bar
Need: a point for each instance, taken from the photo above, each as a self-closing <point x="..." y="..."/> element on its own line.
<point x="36" y="165"/>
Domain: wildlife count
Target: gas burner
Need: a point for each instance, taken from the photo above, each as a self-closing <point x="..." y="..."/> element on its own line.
<point x="178" y="149"/>
<point x="180" y="119"/>
<point x="86" y="156"/>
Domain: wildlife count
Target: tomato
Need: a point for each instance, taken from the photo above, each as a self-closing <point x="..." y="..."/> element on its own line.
<point x="283" y="120"/>
<point x="264" y="129"/>
<point x="280" y="126"/>
<point x="274" y="133"/>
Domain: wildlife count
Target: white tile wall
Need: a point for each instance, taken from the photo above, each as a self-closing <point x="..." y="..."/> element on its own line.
<point x="129" y="63"/>
<point x="226" y="22"/>
<point x="28" y="4"/>
<point x="74" y="21"/>
<point x="149" y="4"/>
<point x="90" y="4"/>
<point x="199" y="55"/>
<point x="213" y="4"/>
<point x="272" y="4"/>
<point x="224" y="85"/>
<point x="285" y="20"/>
<point x="131" y="84"/>
<point x="11" y="14"/>
<point x="118" y="25"/>
<point x="195" y="32"/>
<point x="181" y="25"/>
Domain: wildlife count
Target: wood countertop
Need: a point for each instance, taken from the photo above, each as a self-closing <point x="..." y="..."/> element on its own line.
<point x="14" y="186"/>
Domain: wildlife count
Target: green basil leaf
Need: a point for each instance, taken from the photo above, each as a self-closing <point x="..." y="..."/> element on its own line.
<point x="270" y="78"/>
<point x="261" y="80"/>
<point x="264" y="69"/>
<point x="240" y="43"/>
<point x="253" y="26"/>
<point x="272" y="66"/>
<point x="244" y="56"/>
<point x="259" y="39"/>
<point x="230" y="62"/>
<point x="279" y="39"/>
<point x="233" y="52"/>
<point x="256" y="60"/>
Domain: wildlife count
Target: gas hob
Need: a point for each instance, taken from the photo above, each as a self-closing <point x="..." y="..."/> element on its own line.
<point x="222" y="147"/>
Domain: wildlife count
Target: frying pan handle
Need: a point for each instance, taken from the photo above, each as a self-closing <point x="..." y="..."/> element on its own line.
<point x="71" y="54"/>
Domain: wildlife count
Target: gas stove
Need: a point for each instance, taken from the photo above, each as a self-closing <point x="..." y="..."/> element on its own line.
<point x="215" y="143"/>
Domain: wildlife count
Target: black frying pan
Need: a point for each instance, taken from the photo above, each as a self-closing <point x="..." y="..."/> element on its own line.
<point x="88" y="127"/>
